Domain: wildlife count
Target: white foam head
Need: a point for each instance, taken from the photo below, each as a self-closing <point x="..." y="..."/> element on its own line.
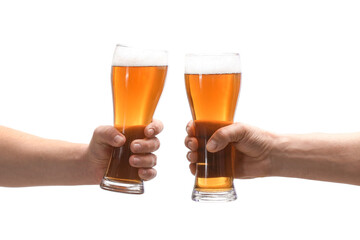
<point x="212" y="64"/>
<point x="128" y="56"/>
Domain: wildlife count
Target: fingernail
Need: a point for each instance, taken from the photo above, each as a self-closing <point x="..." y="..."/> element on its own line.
<point x="151" y="132"/>
<point x="188" y="155"/>
<point x="137" y="147"/>
<point x="187" y="128"/>
<point x="191" y="144"/>
<point x="136" y="161"/>
<point x="118" y="139"/>
<point x="143" y="172"/>
<point x="211" y="145"/>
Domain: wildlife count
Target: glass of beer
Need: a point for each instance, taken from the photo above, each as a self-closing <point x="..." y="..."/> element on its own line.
<point x="137" y="79"/>
<point x="212" y="86"/>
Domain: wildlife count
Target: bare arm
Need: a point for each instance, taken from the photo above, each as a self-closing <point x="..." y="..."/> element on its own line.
<point x="325" y="157"/>
<point x="27" y="160"/>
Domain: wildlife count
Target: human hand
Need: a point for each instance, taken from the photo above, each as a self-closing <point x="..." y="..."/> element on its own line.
<point x="253" y="147"/>
<point x="105" y="138"/>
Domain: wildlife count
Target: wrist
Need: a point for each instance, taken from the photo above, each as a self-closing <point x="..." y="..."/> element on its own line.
<point x="277" y="155"/>
<point x="94" y="168"/>
<point x="88" y="171"/>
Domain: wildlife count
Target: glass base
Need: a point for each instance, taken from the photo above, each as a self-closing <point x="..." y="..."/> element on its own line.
<point x="225" y="196"/>
<point x="123" y="186"/>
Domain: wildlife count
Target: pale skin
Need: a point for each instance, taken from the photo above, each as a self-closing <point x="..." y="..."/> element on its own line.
<point x="318" y="156"/>
<point x="27" y="160"/>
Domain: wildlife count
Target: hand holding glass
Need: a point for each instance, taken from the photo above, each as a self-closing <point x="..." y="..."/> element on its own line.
<point x="212" y="86"/>
<point x="138" y="78"/>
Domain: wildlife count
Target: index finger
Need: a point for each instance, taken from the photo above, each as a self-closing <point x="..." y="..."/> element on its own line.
<point x="190" y="129"/>
<point x="154" y="128"/>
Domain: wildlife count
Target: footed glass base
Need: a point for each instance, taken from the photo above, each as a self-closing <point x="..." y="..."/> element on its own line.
<point x="207" y="196"/>
<point x="122" y="186"/>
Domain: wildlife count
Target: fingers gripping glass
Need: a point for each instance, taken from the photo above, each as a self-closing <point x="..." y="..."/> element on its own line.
<point x="212" y="86"/>
<point x="137" y="80"/>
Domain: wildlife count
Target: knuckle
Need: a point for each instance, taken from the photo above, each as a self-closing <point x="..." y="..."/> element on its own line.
<point x="109" y="131"/>
<point x="154" y="159"/>
<point x="187" y="139"/>
<point x="188" y="126"/>
<point x="152" y="174"/>
<point x="147" y="174"/>
<point x="237" y="124"/>
<point x="131" y="159"/>
<point x="136" y="141"/>
<point x="156" y="145"/>
<point x="222" y="133"/>
<point x="104" y="131"/>
<point x="190" y="129"/>
<point x="157" y="126"/>
<point x="241" y="132"/>
<point x="98" y="131"/>
<point x="191" y="143"/>
<point x="141" y="173"/>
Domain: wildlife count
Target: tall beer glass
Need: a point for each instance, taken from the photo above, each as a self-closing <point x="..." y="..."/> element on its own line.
<point x="137" y="79"/>
<point x="212" y="86"/>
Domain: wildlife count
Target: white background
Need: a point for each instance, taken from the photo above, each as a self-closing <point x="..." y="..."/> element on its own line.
<point x="300" y="65"/>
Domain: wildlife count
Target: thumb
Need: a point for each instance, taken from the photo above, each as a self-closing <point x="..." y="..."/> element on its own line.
<point x="225" y="135"/>
<point x="108" y="136"/>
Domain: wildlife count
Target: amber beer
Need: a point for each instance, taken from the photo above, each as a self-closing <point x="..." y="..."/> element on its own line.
<point x="213" y="170"/>
<point x="212" y="85"/>
<point x="137" y="79"/>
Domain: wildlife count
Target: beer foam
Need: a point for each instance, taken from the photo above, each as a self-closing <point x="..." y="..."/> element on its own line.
<point x="212" y="64"/>
<point x="128" y="56"/>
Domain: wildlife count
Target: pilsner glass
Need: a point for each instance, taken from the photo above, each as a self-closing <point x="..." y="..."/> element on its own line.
<point x="137" y="78"/>
<point x="212" y="86"/>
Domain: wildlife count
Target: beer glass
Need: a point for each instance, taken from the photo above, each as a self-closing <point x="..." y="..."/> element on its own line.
<point x="137" y="78"/>
<point x="212" y="86"/>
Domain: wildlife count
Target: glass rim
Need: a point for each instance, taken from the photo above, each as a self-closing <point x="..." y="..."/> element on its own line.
<point x="212" y="63"/>
<point x="211" y="54"/>
<point x="136" y="56"/>
<point x="140" y="48"/>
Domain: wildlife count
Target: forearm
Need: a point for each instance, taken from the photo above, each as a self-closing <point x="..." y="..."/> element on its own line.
<point x="325" y="157"/>
<point x="27" y="160"/>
